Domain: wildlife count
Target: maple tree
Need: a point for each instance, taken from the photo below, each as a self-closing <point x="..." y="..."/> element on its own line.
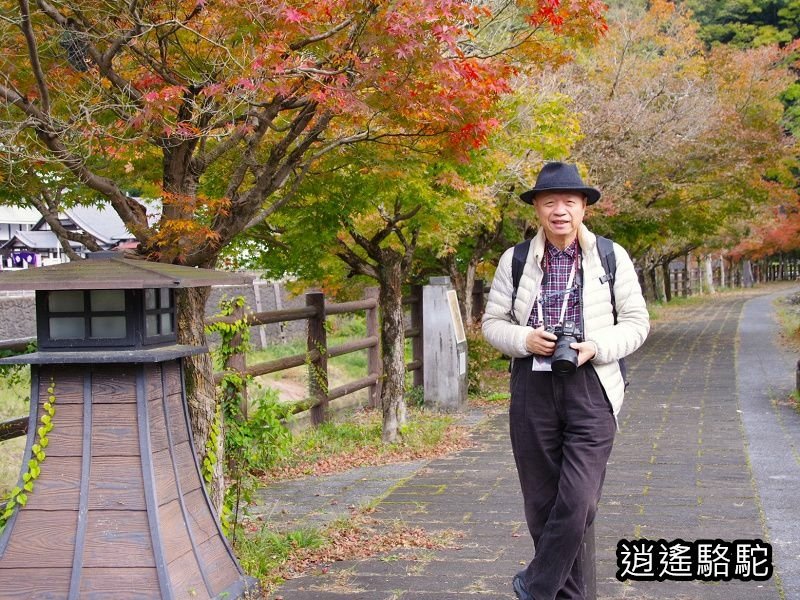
<point x="535" y="125"/>
<point x="221" y="109"/>
<point x="683" y="141"/>
<point x="363" y="227"/>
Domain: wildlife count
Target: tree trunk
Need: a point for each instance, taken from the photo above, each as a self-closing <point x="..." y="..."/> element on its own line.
<point x="747" y="273"/>
<point x="462" y="288"/>
<point x="393" y="350"/>
<point x="687" y="282"/>
<point x="649" y="283"/>
<point x="667" y="281"/>
<point x="721" y="271"/>
<point x="658" y="275"/>
<point x="200" y="388"/>
<point x="464" y="285"/>
<point x="467" y="300"/>
<point x="708" y="280"/>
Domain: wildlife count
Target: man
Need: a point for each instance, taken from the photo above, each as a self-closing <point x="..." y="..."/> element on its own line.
<point x="563" y="425"/>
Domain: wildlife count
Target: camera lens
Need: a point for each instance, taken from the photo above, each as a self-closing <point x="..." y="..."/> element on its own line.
<point x="565" y="359"/>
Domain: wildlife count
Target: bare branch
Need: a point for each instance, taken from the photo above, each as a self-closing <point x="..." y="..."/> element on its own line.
<point x="49" y="209"/>
<point x="357" y="264"/>
<point x="298" y="45"/>
<point x="132" y="213"/>
<point x="33" y="53"/>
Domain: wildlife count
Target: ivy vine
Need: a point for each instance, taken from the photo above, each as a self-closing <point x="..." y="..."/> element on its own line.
<point x="210" y="459"/>
<point x="250" y="444"/>
<point x="19" y="495"/>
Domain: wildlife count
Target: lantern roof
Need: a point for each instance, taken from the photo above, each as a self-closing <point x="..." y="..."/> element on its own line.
<point x="111" y="271"/>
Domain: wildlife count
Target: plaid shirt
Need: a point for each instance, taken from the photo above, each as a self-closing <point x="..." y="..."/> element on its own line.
<point x="557" y="266"/>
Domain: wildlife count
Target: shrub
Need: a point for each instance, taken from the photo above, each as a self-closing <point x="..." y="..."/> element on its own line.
<point x="481" y="354"/>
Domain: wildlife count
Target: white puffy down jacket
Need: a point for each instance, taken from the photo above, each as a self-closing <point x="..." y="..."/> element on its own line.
<point x="613" y="341"/>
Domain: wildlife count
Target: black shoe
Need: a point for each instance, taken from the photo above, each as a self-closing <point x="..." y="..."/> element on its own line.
<point x="518" y="583"/>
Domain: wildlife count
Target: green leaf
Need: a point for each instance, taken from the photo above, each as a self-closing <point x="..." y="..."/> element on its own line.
<point x="26" y="477"/>
<point x="28" y="486"/>
<point x="36" y="448"/>
<point x="44" y="442"/>
<point x="41" y="456"/>
<point x="22" y="499"/>
<point x="46" y="419"/>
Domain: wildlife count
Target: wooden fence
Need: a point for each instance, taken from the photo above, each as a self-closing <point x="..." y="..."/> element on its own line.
<point x="316" y="355"/>
<point x="728" y="273"/>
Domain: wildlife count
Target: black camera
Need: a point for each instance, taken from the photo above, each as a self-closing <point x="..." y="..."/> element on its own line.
<point x="565" y="359"/>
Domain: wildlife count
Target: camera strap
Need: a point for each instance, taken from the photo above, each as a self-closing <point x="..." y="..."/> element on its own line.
<point x="567" y="292"/>
<point x="540" y="315"/>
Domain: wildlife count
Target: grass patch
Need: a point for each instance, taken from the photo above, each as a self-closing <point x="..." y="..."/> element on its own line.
<point x="261" y="552"/>
<point x="658" y="309"/>
<point x="353" y="439"/>
<point x="787" y="311"/>
<point x="15" y="390"/>
<point x="274" y="558"/>
<point x="292" y="384"/>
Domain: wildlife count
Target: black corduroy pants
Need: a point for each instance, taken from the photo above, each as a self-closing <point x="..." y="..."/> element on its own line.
<point x="562" y="432"/>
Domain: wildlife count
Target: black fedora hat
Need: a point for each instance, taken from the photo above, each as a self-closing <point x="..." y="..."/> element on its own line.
<point x="560" y="177"/>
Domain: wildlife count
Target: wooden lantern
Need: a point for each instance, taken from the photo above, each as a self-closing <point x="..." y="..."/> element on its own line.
<point x="119" y="509"/>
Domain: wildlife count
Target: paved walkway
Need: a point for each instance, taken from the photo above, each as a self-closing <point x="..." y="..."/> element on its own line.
<point x="701" y="454"/>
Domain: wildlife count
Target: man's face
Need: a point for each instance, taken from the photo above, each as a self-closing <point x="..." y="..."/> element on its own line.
<point x="561" y="214"/>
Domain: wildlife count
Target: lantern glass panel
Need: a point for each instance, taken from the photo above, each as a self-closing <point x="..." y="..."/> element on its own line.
<point x="166" y="323"/>
<point x="65" y="301"/>
<point x="150" y="299"/>
<point x="151" y="325"/>
<point x="108" y="327"/>
<point x="67" y="328"/>
<point x="108" y="300"/>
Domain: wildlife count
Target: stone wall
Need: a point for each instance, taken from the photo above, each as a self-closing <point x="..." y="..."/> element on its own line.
<point x="17" y="315"/>
<point x="263" y="296"/>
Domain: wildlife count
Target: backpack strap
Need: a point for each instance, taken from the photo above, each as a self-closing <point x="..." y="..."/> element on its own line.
<point x="517" y="267"/>
<point x="605" y="247"/>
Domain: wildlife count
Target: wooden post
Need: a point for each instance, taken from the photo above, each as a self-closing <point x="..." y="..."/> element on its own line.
<point x="318" y="369"/>
<point x="374" y="363"/>
<point x="237" y="362"/>
<point x="416" y="343"/>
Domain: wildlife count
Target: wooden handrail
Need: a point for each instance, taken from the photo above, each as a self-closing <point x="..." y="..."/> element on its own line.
<point x="18" y="345"/>
<point x="13" y="429"/>
<point x="347" y="307"/>
<point x="270" y="316"/>
<point x="353" y="346"/>
<point x="352" y="386"/>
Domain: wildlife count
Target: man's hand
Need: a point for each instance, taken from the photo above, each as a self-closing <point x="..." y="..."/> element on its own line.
<point x="541" y="342"/>
<point x="586" y="351"/>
